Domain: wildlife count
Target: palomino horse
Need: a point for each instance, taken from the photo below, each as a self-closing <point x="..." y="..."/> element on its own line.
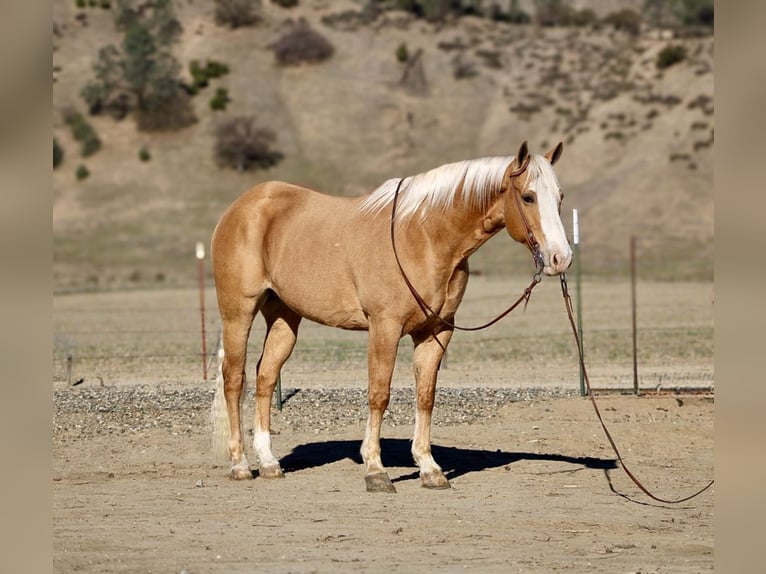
<point x="290" y="253"/>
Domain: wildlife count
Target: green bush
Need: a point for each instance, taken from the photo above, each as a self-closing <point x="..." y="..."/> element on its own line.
<point x="670" y="55"/>
<point x="58" y="153"/>
<point x="81" y="172"/>
<point x="286" y="3"/>
<point x="83" y="132"/>
<point x="220" y="100"/>
<point x="402" y="54"/>
<point x="80" y="3"/>
<point x="201" y="75"/>
<point x="143" y="154"/>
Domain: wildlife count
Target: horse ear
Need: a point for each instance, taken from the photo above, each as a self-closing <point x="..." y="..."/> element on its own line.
<point x="521" y="156"/>
<point x="554" y="155"/>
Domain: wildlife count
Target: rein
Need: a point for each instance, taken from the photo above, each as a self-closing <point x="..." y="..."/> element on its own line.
<point x="534" y="246"/>
<point x="570" y="313"/>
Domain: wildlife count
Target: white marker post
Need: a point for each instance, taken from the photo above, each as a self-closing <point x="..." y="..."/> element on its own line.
<point x="576" y="240"/>
<point x="201" y="273"/>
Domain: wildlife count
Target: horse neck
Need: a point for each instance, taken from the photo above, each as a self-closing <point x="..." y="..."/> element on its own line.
<point x="459" y="231"/>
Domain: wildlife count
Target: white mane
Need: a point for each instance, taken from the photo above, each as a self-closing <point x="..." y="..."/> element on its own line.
<point x="436" y="189"/>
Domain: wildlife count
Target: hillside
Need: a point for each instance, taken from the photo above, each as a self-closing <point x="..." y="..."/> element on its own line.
<point x="638" y="156"/>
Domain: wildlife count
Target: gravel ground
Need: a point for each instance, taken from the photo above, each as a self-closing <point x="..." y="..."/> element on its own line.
<point x="97" y="411"/>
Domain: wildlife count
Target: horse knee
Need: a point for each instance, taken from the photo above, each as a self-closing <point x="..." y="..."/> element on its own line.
<point x="378" y="400"/>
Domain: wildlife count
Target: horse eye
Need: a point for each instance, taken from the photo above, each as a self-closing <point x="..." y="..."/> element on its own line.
<point x="528" y="198"/>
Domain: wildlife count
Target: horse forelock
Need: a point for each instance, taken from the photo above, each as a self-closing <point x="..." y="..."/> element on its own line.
<point x="436" y="189"/>
<point x="541" y="175"/>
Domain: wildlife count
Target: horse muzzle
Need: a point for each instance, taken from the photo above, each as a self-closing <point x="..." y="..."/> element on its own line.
<point x="556" y="261"/>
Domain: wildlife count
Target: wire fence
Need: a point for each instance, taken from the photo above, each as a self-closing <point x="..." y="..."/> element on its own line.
<point x="154" y="337"/>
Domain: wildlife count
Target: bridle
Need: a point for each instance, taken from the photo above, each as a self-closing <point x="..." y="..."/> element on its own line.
<point x="529" y="237"/>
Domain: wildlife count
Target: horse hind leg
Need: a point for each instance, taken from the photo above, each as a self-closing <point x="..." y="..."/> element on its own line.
<point x="427" y="356"/>
<point x="237" y="319"/>
<point x="282" y="332"/>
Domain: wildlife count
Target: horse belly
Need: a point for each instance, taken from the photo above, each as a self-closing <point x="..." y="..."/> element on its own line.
<point x="320" y="292"/>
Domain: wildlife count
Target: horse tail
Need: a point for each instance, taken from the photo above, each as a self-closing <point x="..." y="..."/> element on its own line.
<point x="219" y="415"/>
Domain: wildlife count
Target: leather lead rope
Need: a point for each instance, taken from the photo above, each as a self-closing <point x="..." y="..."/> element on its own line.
<point x="570" y="313"/>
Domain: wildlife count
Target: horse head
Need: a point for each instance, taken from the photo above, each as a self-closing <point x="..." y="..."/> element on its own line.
<point x="532" y="208"/>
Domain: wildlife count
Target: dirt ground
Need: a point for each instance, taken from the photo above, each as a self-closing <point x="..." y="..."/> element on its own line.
<point x="534" y="489"/>
<point x="535" y="485"/>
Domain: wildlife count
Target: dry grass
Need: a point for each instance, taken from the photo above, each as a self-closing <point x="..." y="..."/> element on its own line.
<point x="154" y="337"/>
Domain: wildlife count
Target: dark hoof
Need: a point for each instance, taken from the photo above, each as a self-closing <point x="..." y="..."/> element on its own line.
<point x="273" y="471"/>
<point x="379" y="483"/>
<point x="435" y="480"/>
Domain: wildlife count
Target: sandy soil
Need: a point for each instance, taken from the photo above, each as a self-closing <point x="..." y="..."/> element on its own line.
<point x="535" y="488"/>
<point x="535" y="485"/>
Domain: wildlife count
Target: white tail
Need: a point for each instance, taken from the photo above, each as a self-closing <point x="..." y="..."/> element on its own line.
<point x="219" y="415"/>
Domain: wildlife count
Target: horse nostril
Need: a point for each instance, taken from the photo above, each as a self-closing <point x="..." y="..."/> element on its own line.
<point x="555" y="259"/>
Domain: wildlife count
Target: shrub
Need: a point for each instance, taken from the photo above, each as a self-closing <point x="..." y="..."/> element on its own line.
<point x="514" y="15"/>
<point x="236" y="13"/>
<point x="698" y="12"/>
<point x="625" y="20"/>
<point x="80" y="3"/>
<point x="584" y="17"/>
<point x="402" y="54"/>
<point x="143" y="154"/>
<point x="301" y="44"/>
<point x="241" y="145"/>
<point x="553" y="13"/>
<point x="286" y="3"/>
<point x="220" y="100"/>
<point x="81" y="172"/>
<point x="83" y="132"/>
<point x="670" y="55"/>
<point x="58" y="153"/>
<point x="201" y="76"/>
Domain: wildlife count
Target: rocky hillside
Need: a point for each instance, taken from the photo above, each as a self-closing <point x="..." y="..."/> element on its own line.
<point x="638" y="156"/>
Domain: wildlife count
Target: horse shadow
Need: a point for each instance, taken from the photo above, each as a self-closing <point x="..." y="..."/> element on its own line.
<point x="454" y="461"/>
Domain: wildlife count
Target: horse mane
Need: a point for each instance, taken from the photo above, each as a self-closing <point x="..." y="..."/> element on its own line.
<point x="436" y="189"/>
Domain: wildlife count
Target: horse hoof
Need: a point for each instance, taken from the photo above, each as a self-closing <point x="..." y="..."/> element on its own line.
<point x="435" y="480"/>
<point x="379" y="482"/>
<point x="273" y="471"/>
<point x="241" y="473"/>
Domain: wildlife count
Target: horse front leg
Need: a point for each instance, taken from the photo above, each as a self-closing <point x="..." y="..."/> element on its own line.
<point x="427" y="357"/>
<point x="381" y="357"/>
